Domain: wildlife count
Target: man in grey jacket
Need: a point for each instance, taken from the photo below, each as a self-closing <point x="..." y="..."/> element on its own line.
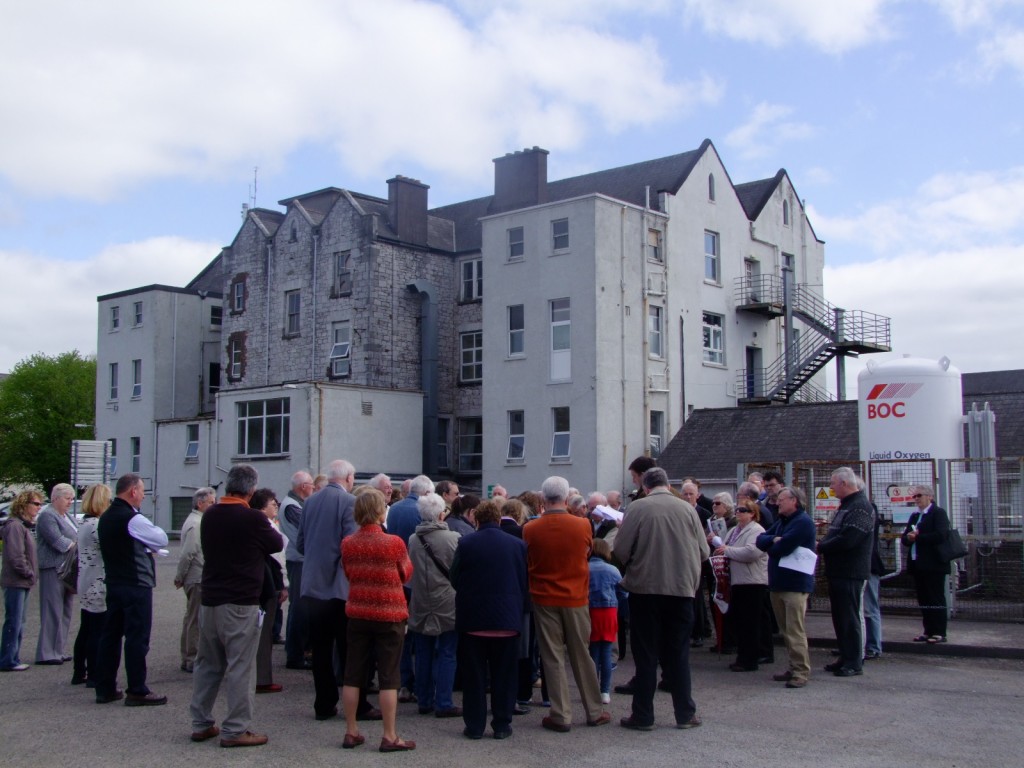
<point x="189" y="575"/>
<point x="661" y="545"/>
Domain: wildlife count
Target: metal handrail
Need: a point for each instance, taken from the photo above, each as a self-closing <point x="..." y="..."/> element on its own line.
<point x="761" y="289"/>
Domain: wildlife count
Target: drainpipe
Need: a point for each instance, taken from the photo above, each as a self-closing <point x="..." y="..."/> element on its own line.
<point x="266" y="377"/>
<point x="622" y="330"/>
<point x="174" y="358"/>
<point x="313" y="324"/>
<point x="428" y="374"/>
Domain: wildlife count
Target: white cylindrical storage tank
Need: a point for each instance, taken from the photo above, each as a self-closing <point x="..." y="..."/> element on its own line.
<point x="910" y="408"/>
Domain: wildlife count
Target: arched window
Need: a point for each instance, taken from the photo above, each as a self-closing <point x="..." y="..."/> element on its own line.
<point x="711" y="187"/>
<point x="785" y="213"/>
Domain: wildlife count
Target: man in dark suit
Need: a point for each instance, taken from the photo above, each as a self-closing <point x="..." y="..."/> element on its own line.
<point x="926" y="529"/>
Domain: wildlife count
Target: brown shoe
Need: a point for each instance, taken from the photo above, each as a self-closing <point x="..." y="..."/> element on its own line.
<point x="247" y="739"/>
<point x="398" y="745"/>
<point x="206" y="733"/>
<point x="796" y="682"/>
<point x="557" y="727"/>
<point x="149" y="700"/>
<point x="269" y="688"/>
<point x="783" y="677"/>
<point x="603" y="719"/>
<point x="693" y="722"/>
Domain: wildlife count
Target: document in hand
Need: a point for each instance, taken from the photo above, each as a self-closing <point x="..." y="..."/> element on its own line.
<point x="801" y="559"/>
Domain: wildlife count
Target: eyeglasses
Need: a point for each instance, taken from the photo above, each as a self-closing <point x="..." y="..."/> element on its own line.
<point x="716" y="503"/>
<point x="36" y="503"/>
<point x="743" y="511"/>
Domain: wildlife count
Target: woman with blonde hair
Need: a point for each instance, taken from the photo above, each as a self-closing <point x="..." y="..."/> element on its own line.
<point x="92" y="588"/>
<point x="17" y="575"/>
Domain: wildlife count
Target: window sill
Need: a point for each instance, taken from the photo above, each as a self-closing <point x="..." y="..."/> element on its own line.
<point x="466" y="384"/>
<point x="721" y="366"/>
<point x="715" y="283"/>
<point x="260" y="457"/>
<point x="515" y="463"/>
<point x="463" y="302"/>
<point x="561" y="460"/>
<point x="515" y="357"/>
<point x="136" y="397"/>
<point x="515" y="260"/>
<point x="561" y="252"/>
<point x="191" y="461"/>
<point x="289" y="336"/>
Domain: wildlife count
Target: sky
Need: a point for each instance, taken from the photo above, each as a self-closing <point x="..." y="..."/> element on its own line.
<point x="132" y="131"/>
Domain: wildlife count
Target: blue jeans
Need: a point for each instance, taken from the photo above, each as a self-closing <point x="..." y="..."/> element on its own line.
<point x="435" y="668"/>
<point x="872" y="616"/>
<point x="601" y="653"/>
<point x="14" y="623"/>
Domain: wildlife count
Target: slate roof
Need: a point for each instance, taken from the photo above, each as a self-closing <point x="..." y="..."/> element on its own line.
<point x="754" y="195"/>
<point x="714" y="440"/>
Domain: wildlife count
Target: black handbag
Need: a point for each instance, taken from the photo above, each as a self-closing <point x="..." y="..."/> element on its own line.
<point x="952" y="547"/>
<point x="67" y="571"/>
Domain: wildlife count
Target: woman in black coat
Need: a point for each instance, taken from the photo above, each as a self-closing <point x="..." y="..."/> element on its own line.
<point x="925" y="531"/>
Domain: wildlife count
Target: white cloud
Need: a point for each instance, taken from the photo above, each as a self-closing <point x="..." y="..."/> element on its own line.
<point x="99" y="97"/>
<point x="965" y="14"/>
<point x="51" y="304"/>
<point x="833" y="27"/>
<point x="766" y="129"/>
<point x="1004" y="50"/>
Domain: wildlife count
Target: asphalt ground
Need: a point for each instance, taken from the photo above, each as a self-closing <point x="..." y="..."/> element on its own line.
<point x="958" y="704"/>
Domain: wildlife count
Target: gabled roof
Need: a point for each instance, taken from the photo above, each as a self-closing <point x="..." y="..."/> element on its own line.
<point x="754" y="195"/>
<point x="316" y="204"/>
<point x="211" y="279"/>
<point x="714" y="440"/>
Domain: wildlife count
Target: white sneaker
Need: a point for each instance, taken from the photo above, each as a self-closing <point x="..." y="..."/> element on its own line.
<point x="606" y="698"/>
<point x="18" y="668"/>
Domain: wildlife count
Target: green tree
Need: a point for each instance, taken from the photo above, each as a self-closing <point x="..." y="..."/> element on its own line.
<point x="40" y="403"/>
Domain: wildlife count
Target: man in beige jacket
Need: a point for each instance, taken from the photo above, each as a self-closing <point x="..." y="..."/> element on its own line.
<point x="190" y="574"/>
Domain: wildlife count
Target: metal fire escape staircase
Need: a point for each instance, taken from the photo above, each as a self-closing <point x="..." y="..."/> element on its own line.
<point x="830" y="332"/>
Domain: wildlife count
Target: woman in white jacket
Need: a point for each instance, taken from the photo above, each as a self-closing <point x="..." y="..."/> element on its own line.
<point x="748" y="578"/>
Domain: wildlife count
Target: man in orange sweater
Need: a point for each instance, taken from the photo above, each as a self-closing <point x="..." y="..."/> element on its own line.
<point x="558" y="548"/>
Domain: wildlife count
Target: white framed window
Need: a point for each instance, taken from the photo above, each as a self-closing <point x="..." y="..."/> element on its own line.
<point x="657" y="433"/>
<point x="561" y="340"/>
<point x="238" y="296"/>
<point x="472" y="280"/>
<point x="714" y="338"/>
<point x="655" y="331"/>
<point x="471" y="368"/>
<point x="112" y="368"/>
<point x="341" y="349"/>
<point x="560" y="234"/>
<point x="561" y="442"/>
<point x="516" y="437"/>
<point x="293" y="313"/>
<point x="136" y="445"/>
<point x="516" y="331"/>
<point x="216" y="315"/>
<point x="236" y="356"/>
<point x="654" y="251"/>
<point x="115" y="318"/>
<point x="136" y="378"/>
<point x="343" y="273"/>
<point x="471" y="445"/>
<point x="788" y="261"/>
<point x="264" y="426"/>
<point x="444" y="427"/>
<point x="191" y="442"/>
<point x="712" y="263"/>
<point x="112" y="461"/>
<point x="137" y="313"/>
<point x="516" y="244"/>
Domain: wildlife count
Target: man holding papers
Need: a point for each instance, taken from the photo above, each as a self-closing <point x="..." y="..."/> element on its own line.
<point x="789" y="543"/>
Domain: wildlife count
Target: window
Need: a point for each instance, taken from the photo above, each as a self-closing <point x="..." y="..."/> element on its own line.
<point x="560" y="442"/>
<point x="714" y="341"/>
<point x="191" y="442"/>
<point x="657" y="433"/>
<point x="264" y="426"/>
<point x="516" y="437"/>
<point x="655" y="326"/>
<point x="214" y="384"/>
<point x="654" y="244"/>
<point x="785" y="213"/>
<point x="471" y="445"/>
<point x="561" y="338"/>
<point x="136" y="378"/>
<point x="293" y="234"/>
<point x="137" y="313"/>
<point x="238" y="294"/>
<point x="472" y="280"/>
<point x="711" y="257"/>
<point x="516" y="331"/>
<point x="113" y="382"/>
<point x="236" y="356"/>
<point x="113" y="457"/>
<point x="560" y="234"/>
<point x="293" y="313"/>
<point x="711" y="187"/>
<point x="443" y="442"/>
<point x="788" y="261"/>
<point x="216" y="315"/>
<point x="115" y="318"/>
<point x="472" y="368"/>
<point x="343" y="273"/>
<point x="516" y="247"/>
<point x="136" y="454"/>
<point x="341" y="350"/>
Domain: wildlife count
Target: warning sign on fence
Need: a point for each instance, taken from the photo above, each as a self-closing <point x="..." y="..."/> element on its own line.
<point x="825" y="500"/>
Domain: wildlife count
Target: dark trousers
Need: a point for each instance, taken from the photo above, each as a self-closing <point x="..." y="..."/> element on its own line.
<point x="660" y="627"/>
<point x="931" y="597"/>
<point x="327" y="630"/>
<point x="296" y="632"/>
<point x="845" y="596"/>
<point x="746" y="604"/>
<point x="129" y="617"/>
<point x="87" y="644"/>
<point x="482" y="659"/>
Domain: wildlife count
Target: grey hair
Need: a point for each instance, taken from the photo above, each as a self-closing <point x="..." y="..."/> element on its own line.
<point x="554" y="489"/>
<point x="421" y="485"/>
<point x="796" y="493"/>
<point x="201" y="494"/>
<point x="378" y="480"/>
<point x="62" y="489"/>
<point x="748" y="490"/>
<point x="339" y="469"/>
<point x="597" y="496"/>
<point x="848" y="476"/>
<point x="726" y="500"/>
<point x="242" y="480"/>
<point x="655" y="477"/>
<point x="925" y="490"/>
<point x="431" y="507"/>
<point x="300" y="478"/>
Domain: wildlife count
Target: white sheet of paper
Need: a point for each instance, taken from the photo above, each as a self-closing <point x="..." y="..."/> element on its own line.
<point x="801" y="559"/>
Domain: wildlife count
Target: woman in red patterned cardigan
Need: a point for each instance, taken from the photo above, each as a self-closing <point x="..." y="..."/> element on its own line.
<point x="376" y="565"/>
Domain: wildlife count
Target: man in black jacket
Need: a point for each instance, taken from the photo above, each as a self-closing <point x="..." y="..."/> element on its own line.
<point x="847" y="551"/>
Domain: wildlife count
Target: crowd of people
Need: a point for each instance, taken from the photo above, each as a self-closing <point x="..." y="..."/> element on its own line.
<point x="416" y="592"/>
